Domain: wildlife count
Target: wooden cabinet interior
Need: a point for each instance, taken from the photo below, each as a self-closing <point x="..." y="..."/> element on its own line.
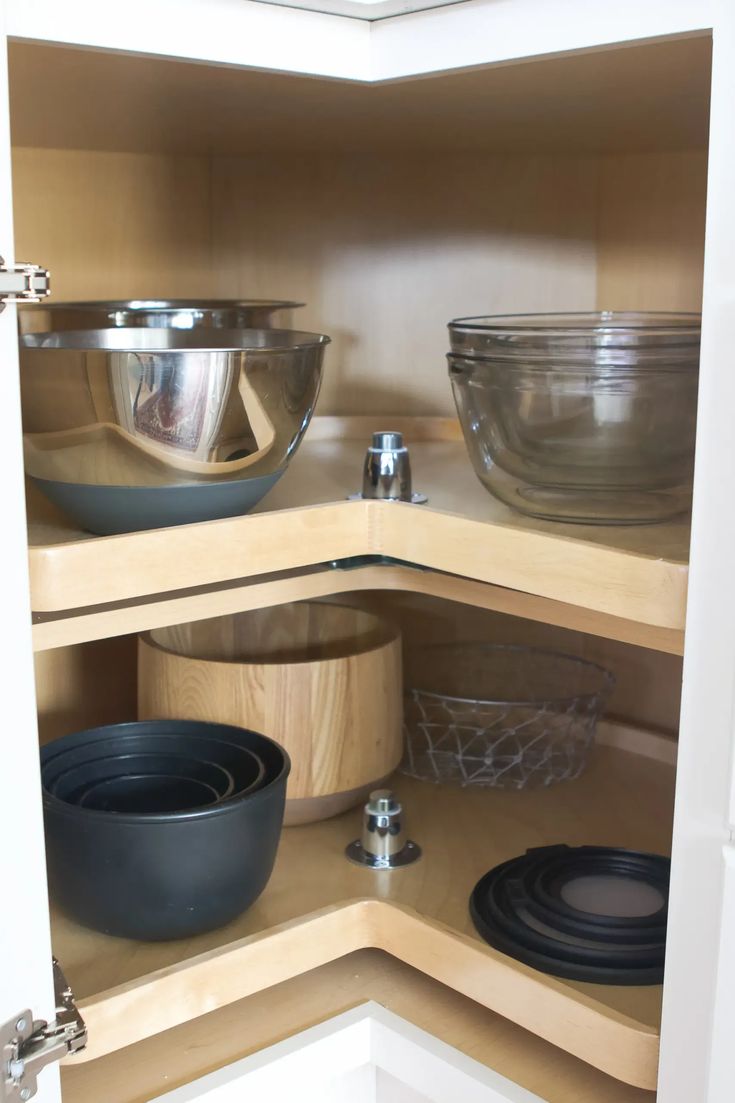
<point x="387" y="216"/>
<point x="500" y="189"/>
<point x="623" y="799"/>
<point x="177" y="1056"/>
<point x="317" y="907"/>
<point x="388" y="213"/>
<point x="95" y="683"/>
<point x="621" y="582"/>
<point x="384" y="251"/>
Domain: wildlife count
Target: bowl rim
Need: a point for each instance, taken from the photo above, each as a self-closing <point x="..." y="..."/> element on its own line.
<point x="204" y="339"/>
<point x="607" y="678"/>
<point x="392" y="636"/>
<point x="224" y="807"/>
<point x="160" y="305"/>
<point x="582" y="322"/>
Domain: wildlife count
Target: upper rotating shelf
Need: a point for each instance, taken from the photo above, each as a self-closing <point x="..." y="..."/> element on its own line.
<point x="636" y="575"/>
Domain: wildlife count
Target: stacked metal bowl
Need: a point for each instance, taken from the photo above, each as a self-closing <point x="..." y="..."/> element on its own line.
<point x="162" y="828"/>
<point x="151" y="414"/>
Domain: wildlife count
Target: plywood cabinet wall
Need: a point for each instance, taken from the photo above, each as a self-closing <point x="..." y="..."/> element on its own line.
<point x="95" y="683"/>
<point x="384" y="248"/>
<point x="650" y="231"/>
<point x="114" y="225"/>
<point x="384" y="244"/>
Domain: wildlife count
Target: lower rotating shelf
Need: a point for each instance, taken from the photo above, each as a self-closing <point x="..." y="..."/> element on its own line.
<point x="177" y="1057"/>
<point x="318" y="908"/>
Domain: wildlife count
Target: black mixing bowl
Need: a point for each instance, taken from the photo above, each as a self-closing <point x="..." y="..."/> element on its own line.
<point x="164" y="875"/>
<point x="70" y="784"/>
<point x="245" y="768"/>
<point x="148" y="793"/>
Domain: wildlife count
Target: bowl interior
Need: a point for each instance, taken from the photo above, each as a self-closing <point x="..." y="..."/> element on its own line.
<point x="500" y="674"/>
<point x="246" y="755"/>
<point x="69" y="782"/>
<point x="146" y="794"/>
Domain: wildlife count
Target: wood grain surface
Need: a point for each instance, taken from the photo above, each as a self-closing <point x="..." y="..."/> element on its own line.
<point x="636" y="573"/>
<point x="324" y="681"/>
<point x="165" y="1061"/>
<point x="317" y="907"/>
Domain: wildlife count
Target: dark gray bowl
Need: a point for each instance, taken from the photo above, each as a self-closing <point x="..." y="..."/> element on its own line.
<point x="241" y="763"/>
<point x="169" y="875"/>
<point x="147" y="793"/>
<point x="111" y="510"/>
<point x="69" y="784"/>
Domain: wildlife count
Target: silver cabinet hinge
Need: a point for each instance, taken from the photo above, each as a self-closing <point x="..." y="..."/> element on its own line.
<point x="23" y="283"/>
<point x="28" y="1045"/>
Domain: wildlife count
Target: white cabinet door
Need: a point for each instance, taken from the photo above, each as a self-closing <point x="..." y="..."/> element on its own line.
<point x="367" y="1055"/>
<point x="722" y="1059"/>
<point x="25" y="945"/>
<point x="699" y="934"/>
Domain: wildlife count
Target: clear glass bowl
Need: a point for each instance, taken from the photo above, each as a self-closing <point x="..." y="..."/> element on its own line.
<point x="501" y="716"/>
<point x="580" y="417"/>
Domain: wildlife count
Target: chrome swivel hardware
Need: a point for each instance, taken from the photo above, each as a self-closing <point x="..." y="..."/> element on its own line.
<point x="386" y="473"/>
<point x="383" y="843"/>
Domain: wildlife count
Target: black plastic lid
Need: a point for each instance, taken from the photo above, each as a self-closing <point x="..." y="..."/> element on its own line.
<point x="586" y="913"/>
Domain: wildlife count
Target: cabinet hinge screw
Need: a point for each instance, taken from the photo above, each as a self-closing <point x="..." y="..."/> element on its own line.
<point x="27" y="1046"/>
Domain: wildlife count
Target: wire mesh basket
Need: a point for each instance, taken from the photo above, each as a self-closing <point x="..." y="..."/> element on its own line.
<point x="501" y="716"/>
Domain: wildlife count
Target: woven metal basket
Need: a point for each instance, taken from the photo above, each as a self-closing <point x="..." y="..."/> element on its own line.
<point x="502" y="716"/>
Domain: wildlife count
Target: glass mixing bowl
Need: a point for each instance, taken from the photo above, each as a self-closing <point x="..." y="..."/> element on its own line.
<point x="580" y="417"/>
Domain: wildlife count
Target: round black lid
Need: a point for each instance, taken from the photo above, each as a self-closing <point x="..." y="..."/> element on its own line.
<point x="586" y="913"/>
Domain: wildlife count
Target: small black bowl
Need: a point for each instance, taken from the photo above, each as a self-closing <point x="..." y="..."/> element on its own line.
<point x="147" y="793"/>
<point x="70" y="783"/>
<point x="163" y="737"/>
<point x="167" y="875"/>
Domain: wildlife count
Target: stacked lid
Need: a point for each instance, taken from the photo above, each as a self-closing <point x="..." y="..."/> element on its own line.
<point x="583" y="913"/>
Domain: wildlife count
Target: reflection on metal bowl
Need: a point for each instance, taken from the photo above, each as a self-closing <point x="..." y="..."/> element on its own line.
<point x="156" y="313"/>
<point x="138" y="428"/>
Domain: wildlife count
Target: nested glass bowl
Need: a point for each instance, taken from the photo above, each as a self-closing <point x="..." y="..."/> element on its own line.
<point x="500" y="716"/>
<point x="587" y="418"/>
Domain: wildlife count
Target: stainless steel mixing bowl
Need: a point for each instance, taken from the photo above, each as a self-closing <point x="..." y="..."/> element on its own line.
<point x="129" y="429"/>
<point x="155" y="313"/>
<point x="580" y="417"/>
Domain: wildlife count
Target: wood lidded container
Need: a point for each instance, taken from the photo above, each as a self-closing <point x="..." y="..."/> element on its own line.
<point x="323" y="680"/>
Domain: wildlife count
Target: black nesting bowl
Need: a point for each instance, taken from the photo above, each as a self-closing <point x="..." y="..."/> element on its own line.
<point x="72" y="783"/>
<point x="161" y="850"/>
<point x="147" y="793"/>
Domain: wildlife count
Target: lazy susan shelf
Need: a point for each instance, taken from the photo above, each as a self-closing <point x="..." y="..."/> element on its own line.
<point x="318" y="907"/>
<point x="169" y="1060"/>
<point x="632" y="574"/>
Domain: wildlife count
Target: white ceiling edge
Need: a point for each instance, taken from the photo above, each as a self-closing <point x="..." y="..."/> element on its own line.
<point x="271" y="36"/>
<point x="480" y="32"/>
<point x="365" y="10"/>
<point x="239" y="33"/>
<point x="311" y="1064"/>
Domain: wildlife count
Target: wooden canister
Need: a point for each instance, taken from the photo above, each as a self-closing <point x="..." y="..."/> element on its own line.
<point x="323" y="680"/>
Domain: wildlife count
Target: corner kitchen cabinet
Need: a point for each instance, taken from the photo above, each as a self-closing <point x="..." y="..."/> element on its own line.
<point x="393" y="165"/>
